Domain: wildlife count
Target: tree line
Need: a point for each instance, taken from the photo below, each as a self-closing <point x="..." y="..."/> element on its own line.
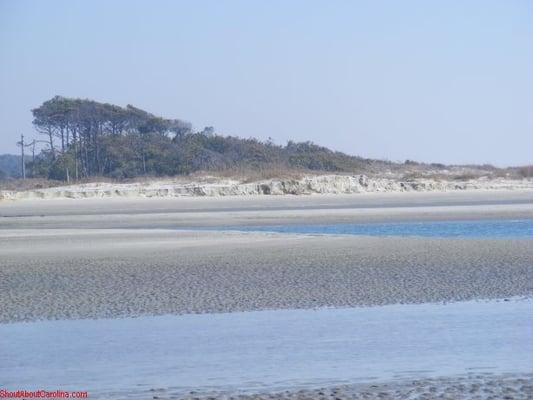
<point x="85" y="138"/>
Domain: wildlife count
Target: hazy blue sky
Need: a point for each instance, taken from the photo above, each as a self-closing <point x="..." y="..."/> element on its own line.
<point x="446" y="81"/>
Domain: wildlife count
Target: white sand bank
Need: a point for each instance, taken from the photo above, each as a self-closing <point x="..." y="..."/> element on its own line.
<point x="325" y="184"/>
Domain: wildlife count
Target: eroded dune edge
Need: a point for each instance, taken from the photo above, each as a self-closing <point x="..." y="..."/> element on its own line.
<point x="325" y="184"/>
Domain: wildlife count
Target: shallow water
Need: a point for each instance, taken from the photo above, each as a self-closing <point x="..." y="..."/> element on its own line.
<point x="516" y="228"/>
<point x="268" y="350"/>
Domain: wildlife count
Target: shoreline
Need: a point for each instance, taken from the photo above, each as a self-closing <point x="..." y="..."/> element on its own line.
<point x="184" y="213"/>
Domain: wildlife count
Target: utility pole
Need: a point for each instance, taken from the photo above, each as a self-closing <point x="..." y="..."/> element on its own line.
<point x="32" y="145"/>
<point x="33" y="159"/>
<point x="22" y="161"/>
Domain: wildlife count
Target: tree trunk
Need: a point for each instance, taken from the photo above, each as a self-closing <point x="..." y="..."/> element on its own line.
<point x="62" y="140"/>
<point x="51" y="139"/>
<point x="74" y="138"/>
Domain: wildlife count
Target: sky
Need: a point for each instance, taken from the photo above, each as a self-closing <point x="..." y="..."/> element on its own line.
<point x="433" y="81"/>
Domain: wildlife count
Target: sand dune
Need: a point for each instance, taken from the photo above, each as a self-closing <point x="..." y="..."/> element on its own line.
<point x="323" y="184"/>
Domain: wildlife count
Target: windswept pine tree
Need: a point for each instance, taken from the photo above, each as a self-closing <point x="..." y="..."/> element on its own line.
<point x="88" y="138"/>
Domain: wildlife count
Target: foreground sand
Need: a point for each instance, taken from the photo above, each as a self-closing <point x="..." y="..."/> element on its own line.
<point x="473" y="386"/>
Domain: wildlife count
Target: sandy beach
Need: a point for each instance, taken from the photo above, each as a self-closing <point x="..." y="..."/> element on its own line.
<point x="137" y="213"/>
<point x="140" y="257"/>
<point x="109" y="258"/>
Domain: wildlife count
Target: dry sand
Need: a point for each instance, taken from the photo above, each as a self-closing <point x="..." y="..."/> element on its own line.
<point x="223" y="211"/>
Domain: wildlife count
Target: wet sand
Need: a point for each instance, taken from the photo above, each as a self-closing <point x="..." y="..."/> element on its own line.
<point x="472" y="386"/>
<point x="117" y="257"/>
<point x="58" y="274"/>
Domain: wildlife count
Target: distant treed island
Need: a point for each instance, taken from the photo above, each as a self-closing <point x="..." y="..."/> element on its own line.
<point x="83" y="139"/>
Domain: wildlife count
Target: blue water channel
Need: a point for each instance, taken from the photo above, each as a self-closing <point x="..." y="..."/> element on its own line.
<point x="512" y="228"/>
